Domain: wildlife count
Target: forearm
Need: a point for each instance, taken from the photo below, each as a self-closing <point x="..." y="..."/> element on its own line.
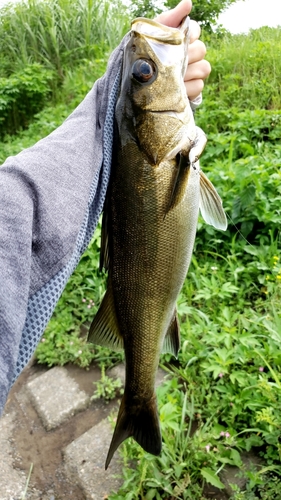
<point x="51" y="197"/>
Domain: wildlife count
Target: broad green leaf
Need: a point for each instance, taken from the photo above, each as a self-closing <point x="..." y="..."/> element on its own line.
<point x="150" y="495"/>
<point x="211" y="478"/>
<point x="247" y="196"/>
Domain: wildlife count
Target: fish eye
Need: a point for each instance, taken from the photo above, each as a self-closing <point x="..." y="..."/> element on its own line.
<point x="143" y="70"/>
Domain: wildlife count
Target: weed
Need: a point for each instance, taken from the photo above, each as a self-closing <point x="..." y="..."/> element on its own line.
<point x="23" y="497"/>
<point x="107" y="388"/>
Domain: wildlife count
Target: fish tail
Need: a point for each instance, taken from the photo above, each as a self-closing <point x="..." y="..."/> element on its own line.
<point x="139" y="421"/>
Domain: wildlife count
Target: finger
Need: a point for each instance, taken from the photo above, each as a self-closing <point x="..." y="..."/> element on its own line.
<point x="196" y="51"/>
<point x="194" y="31"/>
<point x="194" y="88"/>
<point x="174" y="16"/>
<point x="197" y="70"/>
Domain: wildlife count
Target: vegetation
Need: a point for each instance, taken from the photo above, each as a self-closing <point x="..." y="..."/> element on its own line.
<point x="107" y="388"/>
<point x="52" y="37"/>
<point x="222" y="397"/>
<point x="205" y="12"/>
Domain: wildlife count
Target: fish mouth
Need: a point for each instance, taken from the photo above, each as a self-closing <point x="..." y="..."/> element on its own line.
<point x="157" y="31"/>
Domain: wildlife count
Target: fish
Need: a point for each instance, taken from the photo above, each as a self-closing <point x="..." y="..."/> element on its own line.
<point x="149" y="222"/>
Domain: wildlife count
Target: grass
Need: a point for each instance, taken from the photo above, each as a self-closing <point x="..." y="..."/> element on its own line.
<point x="250" y="81"/>
<point x="23" y="497"/>
<point x="54" y="37"/>
<point x="222" y="397"/>
<point x="59" y="33"/>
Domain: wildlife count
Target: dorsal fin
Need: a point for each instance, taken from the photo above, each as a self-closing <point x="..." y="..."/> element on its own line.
<point x="104" y="251"/>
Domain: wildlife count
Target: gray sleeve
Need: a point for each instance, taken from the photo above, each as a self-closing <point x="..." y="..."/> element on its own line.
<point x="51" y="197"/>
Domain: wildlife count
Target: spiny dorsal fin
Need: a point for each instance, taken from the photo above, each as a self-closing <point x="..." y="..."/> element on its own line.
<point x="104" y="329"/>
<point x="140" y="420"/>
<point x="211" y="205"/>
<point x="172" y="340"/>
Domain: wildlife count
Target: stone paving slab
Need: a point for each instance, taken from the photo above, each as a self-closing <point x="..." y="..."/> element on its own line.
<point x="84" y="461"/>
<point x="56" y="397"/>
<point x="12" y="482"/>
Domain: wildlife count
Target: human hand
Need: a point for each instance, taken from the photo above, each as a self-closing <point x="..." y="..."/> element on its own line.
<point x="198" y="68"/>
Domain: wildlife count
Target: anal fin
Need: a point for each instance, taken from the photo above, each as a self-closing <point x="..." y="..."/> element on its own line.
<point x="172" y="340"/>
<point x="104" y="329"/>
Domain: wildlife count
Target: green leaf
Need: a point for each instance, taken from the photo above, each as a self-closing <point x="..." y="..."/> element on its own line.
<point x="246" y="227"/>
<point x="212" y="478"/>
<point x="150" y="495"/>
<point x="253" y="440"/>
<point x="153" y="483"/>
<point x="236" y="209"/>
<point x="235" y="455"/>
<point x="247" y="196"/>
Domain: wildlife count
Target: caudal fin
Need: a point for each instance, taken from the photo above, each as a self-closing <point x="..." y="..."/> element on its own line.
<point x="139" y="421"/>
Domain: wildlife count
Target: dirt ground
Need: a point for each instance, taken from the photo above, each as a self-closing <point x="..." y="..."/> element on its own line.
<point x="32" y="444"/>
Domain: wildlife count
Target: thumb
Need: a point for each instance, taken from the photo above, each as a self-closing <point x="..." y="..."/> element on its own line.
<point x="174" y="16"/>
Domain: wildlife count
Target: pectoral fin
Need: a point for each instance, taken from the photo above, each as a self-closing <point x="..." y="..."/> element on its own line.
<point x="172" y="340"/>
<point x="211" y="205"/>
<point x="179" y="182"/>
<point x="104" y="329"/>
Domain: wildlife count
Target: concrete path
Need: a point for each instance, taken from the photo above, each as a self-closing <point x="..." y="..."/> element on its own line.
<point x="51" y="424"/>
<point x="56" y="399"/>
